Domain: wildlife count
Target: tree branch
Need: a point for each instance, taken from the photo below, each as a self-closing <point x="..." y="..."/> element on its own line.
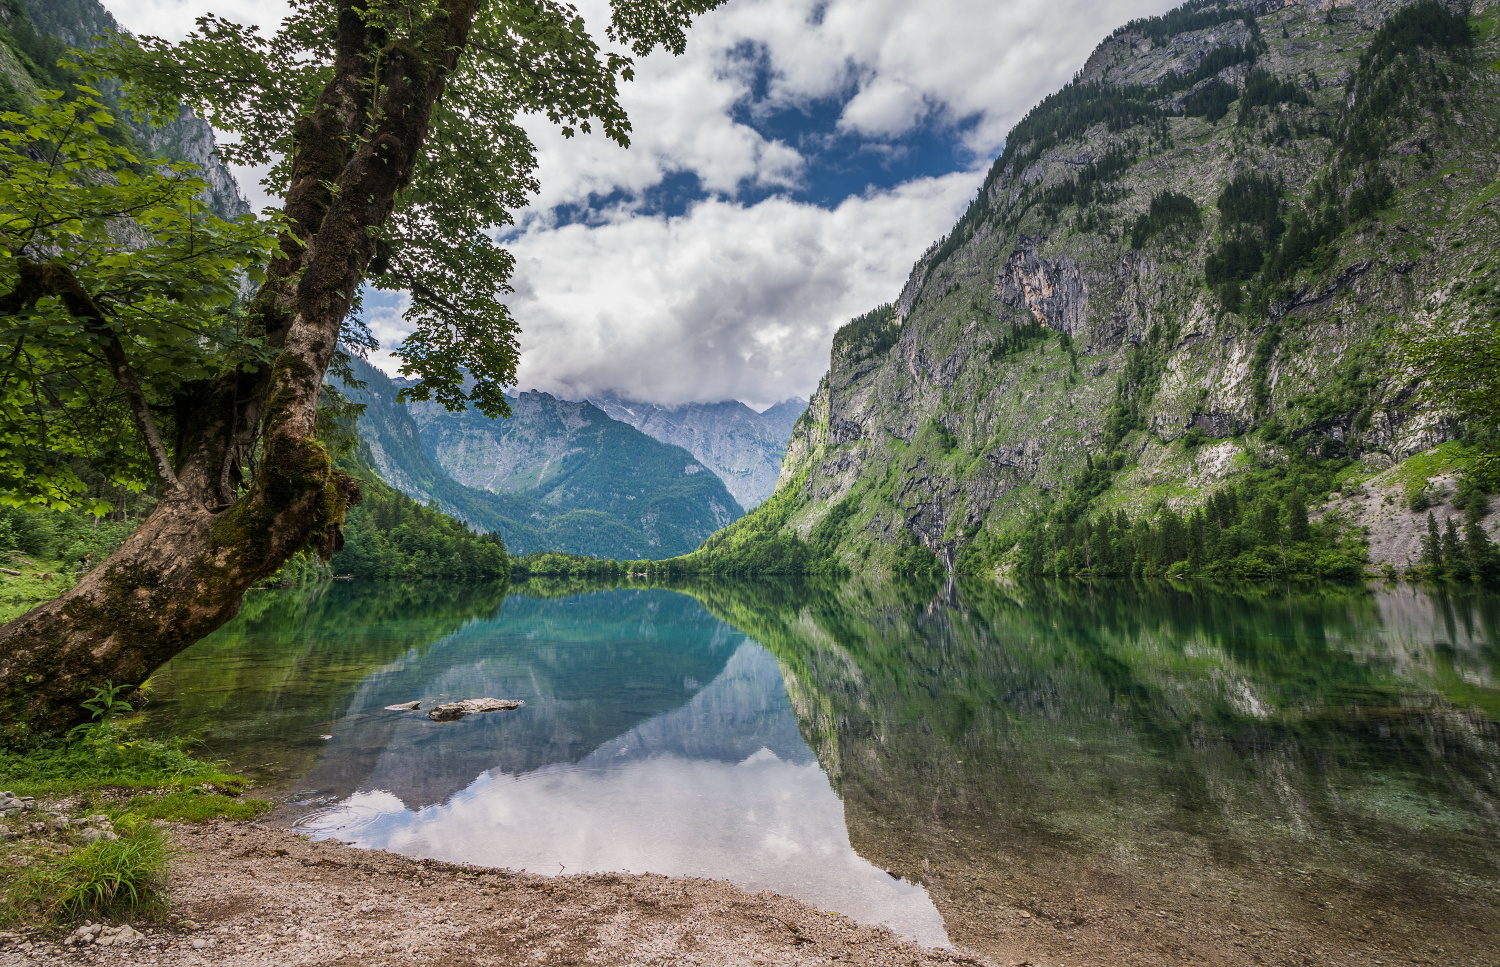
<point x="58" y="280"/>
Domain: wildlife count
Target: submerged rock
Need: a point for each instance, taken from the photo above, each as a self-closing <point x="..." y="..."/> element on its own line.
<point x="404" y="707"/>
<point x="453" y="711"/>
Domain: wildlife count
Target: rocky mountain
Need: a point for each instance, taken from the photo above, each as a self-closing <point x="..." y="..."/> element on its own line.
<point x="1195" y="260"/>
<point x="34" y="34"/>
<point x="556" y="475"/>
<point x="743" y="447"/>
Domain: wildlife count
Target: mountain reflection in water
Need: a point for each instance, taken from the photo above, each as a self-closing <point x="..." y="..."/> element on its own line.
<point x="1133" y="775"/>
<point x="654" y="738"/>
<point x="723" y="787"/>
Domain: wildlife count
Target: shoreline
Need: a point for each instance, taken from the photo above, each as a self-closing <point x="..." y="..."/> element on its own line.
<point x="261" y="895"/>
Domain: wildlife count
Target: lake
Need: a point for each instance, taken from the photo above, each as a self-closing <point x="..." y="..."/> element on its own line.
<point x="1069" y="773"/>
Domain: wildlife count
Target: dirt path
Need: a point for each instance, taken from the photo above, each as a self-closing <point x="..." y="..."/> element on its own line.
<point x="264" y="896"/>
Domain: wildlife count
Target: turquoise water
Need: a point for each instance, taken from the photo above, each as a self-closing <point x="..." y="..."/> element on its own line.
<point x="1097" y="773"/>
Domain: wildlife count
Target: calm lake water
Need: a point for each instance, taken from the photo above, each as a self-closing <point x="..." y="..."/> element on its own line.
<point x="1065" y="774"/>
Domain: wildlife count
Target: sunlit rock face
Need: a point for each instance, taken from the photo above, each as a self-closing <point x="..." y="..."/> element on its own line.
<point x="743" y="447"/>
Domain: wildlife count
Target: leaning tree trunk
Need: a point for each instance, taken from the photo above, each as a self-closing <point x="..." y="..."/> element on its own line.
<point x="184" y="572"/>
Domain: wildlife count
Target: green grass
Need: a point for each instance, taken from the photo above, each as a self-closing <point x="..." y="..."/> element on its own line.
<point x="1414" y="472"/>
<point x="116" y="879"/>
<point x="58" y="878"/>
<point x="173" y="785"/>
<point x="195" y="806"/>
<point x="19" y="595"/>
<point x="103" y="756"/>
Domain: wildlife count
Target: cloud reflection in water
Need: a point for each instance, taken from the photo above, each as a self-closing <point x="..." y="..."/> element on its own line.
<point x="663" y="798"/>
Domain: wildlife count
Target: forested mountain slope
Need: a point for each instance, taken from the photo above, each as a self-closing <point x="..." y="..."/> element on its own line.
<point x="1194" y="261"/>
<point x="555" y="476"/>
<point x="34" y="34"/>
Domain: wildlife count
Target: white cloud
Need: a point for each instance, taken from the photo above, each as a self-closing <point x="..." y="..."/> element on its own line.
<point x="735" y="299"/>
<point x="727" y="301"/>
<point x="174" y="19"/>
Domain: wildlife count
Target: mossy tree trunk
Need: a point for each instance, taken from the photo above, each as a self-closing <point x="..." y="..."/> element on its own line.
<point x="218" y="530"/>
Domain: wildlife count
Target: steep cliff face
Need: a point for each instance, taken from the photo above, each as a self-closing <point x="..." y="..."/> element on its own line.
<point x="743" y="447"/>
<point x="41" y="30"/>
<point x="1196" y="258"/>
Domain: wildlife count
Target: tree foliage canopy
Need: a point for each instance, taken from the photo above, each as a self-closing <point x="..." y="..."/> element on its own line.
<point x="108" y="266"/>
<point x="475" y="168"/>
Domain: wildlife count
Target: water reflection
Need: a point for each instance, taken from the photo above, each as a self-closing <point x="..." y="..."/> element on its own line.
<point x="654" y="738"/>
<point x="1067" y="773"/>
<point x="1149" y="774"/>
<point x="722" y="787"/>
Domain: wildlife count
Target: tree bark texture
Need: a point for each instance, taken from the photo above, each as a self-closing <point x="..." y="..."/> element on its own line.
<point x="216" y="533"/>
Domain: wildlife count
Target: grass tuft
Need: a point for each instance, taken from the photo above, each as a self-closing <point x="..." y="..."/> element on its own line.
<point x="195" y="806"/>
<point x="115" y="879"/>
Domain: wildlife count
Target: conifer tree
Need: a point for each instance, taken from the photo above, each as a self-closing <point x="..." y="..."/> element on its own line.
<point x="1456" y="561"/>
<point x="1483" y="559"/>
<point x="1299" y="529"/>
<point x="1432" y="546"/>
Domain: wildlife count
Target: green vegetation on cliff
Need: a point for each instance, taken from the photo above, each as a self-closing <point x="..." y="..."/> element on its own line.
<point x="755" y="544"/>
<point x="1240" y="227"/>
<point x="1256" y="529"/>
<point x="554" y="476"/>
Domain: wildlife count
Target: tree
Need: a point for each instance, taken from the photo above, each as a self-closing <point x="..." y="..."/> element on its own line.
<point x="1432" y="546"/>
<point x="1484" y="563"/>
<point x="95" y="334"/>
<point x="393" y="131"/>
<point x="1454" y="557"/>
<point x="1459" y="357"/>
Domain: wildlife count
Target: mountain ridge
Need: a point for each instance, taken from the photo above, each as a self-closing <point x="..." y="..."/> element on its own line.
<point x="743" y="447"/>
<point x="556" y="476"/>
<point x="1194" y="260"/>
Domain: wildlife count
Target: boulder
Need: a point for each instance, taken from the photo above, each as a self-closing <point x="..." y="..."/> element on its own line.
<point x="404" y="707"/>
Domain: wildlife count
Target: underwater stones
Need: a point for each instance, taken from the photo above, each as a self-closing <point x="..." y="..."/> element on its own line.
<point x="404" y="707"/>
<point x="453" y="711"/>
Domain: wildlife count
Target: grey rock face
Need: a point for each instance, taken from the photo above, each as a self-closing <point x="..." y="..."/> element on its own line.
<point x="743" y="447"/>
<point x="1052" y="290"/>
<point x="83" y="23"/>
<point x="962" y="430"/>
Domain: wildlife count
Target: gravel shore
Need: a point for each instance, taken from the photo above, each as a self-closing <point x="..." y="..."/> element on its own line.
<point x="257" y="895"/>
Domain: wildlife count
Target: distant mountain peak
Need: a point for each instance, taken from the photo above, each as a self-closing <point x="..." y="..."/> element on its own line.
<point x="743" y="447"/>
<point x="557" y="475"/>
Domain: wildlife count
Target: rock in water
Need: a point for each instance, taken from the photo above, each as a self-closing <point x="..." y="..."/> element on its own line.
<point x="453" y="711"/>
<point x="404" y="707"/>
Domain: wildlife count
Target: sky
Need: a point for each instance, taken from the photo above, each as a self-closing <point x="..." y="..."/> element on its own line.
<point x="784" y="175"/>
